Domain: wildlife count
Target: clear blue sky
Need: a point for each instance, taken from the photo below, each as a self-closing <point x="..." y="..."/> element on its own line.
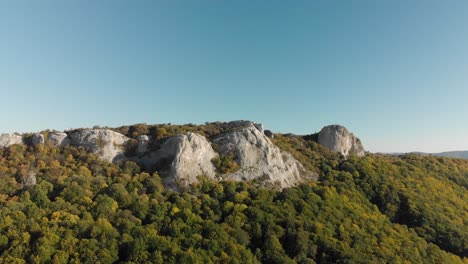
<point x="393" y="72"/>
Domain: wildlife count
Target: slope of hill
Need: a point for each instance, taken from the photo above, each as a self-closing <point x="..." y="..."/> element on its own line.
<point x="447" y="154"/>
<point x="62" y="203"/>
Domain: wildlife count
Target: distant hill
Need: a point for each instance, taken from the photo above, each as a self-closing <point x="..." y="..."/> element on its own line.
<point x="453" y="154"/>
<point x="448" y="154"/>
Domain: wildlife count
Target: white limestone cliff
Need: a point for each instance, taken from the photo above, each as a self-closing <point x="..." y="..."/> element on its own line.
<point x="259" y="159"/>
<point x="107" y="144"/>
<point x="182" y="158"/>
<point x="7" y="140"/>
<point x="188" y="156"/>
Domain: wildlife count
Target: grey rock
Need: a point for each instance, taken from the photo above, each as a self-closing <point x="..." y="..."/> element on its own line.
<point x="30" y="179"/>
<point x="143" y="141"/>
<point x="259" y="126"/>
<point x="7" y="140"/>
<point x="37" y="139"/>
<point x="107" y="144"/>
<point x="338" y="139"/>
<point x="58" y="139"/>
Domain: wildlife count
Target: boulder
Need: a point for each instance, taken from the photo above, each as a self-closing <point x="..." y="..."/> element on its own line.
<point x="107" y="144"/>
<point x="58" y="139"/>
<point x="259" y="159"/>
<point x="7" y="140"/>
<point x="338" y="139"/>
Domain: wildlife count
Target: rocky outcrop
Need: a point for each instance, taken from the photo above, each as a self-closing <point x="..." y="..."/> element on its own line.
<point x="143" y="142"/>
<point x="338" y="139"/>
<point x="58" y="139"/>
<point x="259" y="159"/>
<point x="7" y="140"/>
<point x="184" y="157"/>
<point x="30" y="180"/>
<point x="37" y="139"/>
<point x="107" y="144"/>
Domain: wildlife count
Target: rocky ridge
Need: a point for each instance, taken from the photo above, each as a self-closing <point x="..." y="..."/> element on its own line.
<point x="180" y="159"/>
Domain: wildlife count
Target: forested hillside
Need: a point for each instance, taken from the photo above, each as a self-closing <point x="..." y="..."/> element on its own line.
<point x="372" y="209"/>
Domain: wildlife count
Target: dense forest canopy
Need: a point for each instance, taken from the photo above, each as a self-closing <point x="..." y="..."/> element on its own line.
<point x="374" y="209"/>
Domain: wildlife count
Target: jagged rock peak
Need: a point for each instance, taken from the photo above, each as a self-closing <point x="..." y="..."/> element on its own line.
<point x="338" y="139"/>
<point x="185" y="156"/>
<point x="7" y="140"/>
<point x="259" y="159"/>
<point x="107" y="144"/>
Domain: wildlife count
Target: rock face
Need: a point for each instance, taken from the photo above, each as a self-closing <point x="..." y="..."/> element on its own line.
<point x="186" y="156"/>
<point x="59" y="139"/>
<point x="143" y="142"/>
<point x="259" y="159"/>
<point x="7" y="140"/>
<point x="338" y="139"/>
<point x="37" y="139"/>
<point x="105" y="143"/>
<point x="182" y="158"/>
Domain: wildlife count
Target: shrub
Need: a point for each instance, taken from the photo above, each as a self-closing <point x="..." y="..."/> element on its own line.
<point x="225" y="164"/>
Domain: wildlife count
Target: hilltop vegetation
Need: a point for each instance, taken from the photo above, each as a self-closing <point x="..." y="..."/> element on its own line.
<point x="374" y="209"/>
<point x="427" y="194"/>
